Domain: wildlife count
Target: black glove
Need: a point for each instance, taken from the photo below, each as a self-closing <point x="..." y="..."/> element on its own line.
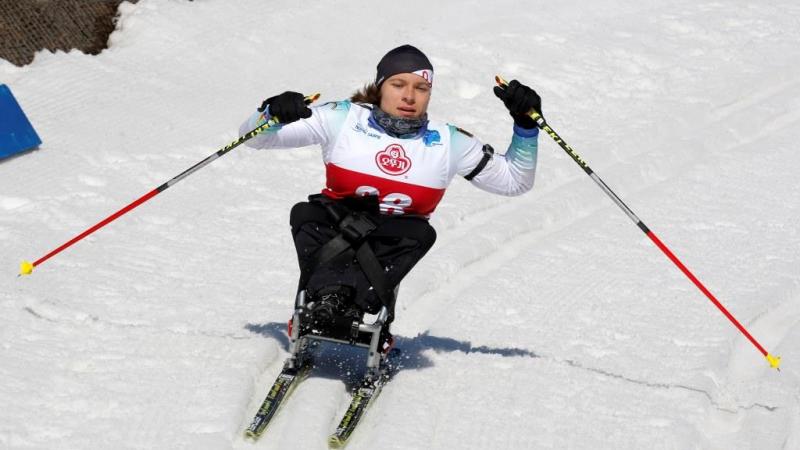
<point x="288" y="107"/>
<point x="519" y="99"/>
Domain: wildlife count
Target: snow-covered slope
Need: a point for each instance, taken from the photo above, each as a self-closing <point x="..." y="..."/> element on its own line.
<point x="544" y="321"/>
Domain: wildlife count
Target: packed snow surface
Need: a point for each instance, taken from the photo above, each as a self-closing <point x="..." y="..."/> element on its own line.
<point x="542" y="321"/>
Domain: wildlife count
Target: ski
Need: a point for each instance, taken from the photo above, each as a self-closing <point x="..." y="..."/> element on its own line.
<point x="283" y="386"/>
<point x="369" y="389"/>
<point x="380" y="367"/>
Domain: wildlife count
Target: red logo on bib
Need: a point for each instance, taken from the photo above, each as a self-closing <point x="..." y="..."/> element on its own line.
<point x="393" y="160"/>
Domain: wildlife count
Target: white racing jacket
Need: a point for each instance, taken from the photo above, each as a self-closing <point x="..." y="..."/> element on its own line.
<point x="409" y="175"/>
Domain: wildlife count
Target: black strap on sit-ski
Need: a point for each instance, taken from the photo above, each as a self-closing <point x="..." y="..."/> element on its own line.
<point x="353" y="231"/>
<point x="488" y="153"/>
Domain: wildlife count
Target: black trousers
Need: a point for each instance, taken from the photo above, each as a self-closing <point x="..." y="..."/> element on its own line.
<point x="398" y="242"/>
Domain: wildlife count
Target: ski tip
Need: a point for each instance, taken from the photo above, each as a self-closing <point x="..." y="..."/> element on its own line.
<point x="250" y="434"/>
<point x="25" y="268"/>
<point x="774" y="361"/>
<point x="500" y="81"/>
<point x="312" y="98"/>
<point x="335" y="441"/>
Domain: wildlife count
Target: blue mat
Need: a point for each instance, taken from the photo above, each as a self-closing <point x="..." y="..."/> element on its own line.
<point x="16" y="132"/>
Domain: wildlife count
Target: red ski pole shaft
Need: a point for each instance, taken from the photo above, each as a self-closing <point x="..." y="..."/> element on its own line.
<point x="774" y="361"/>
<point x="27" y="267"/>
<point x="95" y="227"/>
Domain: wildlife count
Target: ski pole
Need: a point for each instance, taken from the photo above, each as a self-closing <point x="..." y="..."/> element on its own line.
<point x="26" y="268"/>
<point x="774" y="361"/>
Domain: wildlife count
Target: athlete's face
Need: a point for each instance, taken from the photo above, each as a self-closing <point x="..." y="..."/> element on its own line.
<point x="405" y="95"/>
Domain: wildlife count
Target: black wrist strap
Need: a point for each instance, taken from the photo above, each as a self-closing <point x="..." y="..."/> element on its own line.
<point x="488" y="152"/>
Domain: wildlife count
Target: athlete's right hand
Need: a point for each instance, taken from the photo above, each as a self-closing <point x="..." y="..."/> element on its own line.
<point x="287" y="107"/>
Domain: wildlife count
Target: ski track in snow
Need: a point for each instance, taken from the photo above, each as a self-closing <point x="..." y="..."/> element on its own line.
<point x="165" y="329"/>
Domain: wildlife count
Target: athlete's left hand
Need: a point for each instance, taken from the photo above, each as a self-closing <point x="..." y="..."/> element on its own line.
<point x="520" y="99"/>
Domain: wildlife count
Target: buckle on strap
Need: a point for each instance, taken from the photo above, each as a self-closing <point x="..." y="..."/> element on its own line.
<point x="354" y="329"/>
<point x="356" y="226"/>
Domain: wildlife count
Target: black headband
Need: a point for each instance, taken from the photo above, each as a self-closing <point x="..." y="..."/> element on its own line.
<point x="404" y="59"/>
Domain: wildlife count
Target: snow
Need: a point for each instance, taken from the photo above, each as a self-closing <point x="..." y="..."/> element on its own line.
<point x="544" y="321"/>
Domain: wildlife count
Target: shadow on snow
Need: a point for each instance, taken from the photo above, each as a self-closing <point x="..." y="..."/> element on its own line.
<point x="347" y="362"/>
